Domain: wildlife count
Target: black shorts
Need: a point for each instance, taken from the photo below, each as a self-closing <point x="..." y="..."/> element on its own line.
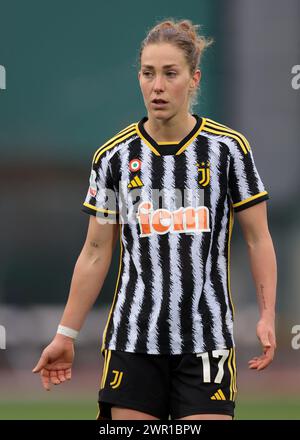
<point x="168" y="385"/>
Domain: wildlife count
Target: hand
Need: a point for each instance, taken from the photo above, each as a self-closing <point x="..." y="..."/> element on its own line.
<point x="56" y="361"/>
<point x="265" y="331"/>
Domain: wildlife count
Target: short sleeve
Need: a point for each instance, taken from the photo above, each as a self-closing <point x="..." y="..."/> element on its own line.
<point x="245" y="185"/>
<point x="101" y="199"/>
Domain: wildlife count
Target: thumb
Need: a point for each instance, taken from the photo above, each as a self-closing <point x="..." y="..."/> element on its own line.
<point x="41" y="364"/>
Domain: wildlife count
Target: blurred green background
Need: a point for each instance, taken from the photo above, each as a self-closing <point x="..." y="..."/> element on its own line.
<point x="71" y="84"/>
<point x="248" y="409"/>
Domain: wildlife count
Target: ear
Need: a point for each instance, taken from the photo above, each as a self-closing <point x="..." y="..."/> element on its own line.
<point x="195" y="79"/>
<point x="139" y="75"/>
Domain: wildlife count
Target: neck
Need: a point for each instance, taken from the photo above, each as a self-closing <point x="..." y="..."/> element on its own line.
<point x="171" y="130"/>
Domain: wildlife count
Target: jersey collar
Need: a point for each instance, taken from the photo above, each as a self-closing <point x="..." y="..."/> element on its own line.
<point x="169" y="148"/>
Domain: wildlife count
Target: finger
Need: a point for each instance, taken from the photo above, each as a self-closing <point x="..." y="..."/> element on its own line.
<point x="263" y="361"/>
<point x="55" y="380"/>
<point x="267" y="359"/>
<point x="45" y="379"/>
<point x="53" y="377"/>
<point x="61" y="375"/>
<point x="253" y="360"/>
<point x="68" y="373"/>
<point x="264" y="364"/>
<point x="254" y="365"/>
<point x="41" y="364"/>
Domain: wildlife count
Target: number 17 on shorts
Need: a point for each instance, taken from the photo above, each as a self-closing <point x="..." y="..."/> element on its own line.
<point x="219" y="370"/>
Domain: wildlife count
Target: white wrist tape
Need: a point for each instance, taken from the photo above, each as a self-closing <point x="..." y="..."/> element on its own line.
<point x="67" y="331"/>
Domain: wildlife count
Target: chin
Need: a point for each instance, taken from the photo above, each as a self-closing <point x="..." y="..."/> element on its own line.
<point x="161" y="115"/>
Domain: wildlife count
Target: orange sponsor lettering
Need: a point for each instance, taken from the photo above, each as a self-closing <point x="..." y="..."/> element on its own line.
<point x="162" y="221"/>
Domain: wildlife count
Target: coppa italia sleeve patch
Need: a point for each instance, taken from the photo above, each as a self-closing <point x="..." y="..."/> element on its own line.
<point x="135" y="165"/>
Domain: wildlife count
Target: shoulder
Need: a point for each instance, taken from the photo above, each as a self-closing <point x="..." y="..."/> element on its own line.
<point x="121" y="138"/>
<point x="232" y="138"/>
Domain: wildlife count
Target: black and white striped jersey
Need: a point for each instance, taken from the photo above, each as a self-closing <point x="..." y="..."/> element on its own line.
<point x="175" y="205"/>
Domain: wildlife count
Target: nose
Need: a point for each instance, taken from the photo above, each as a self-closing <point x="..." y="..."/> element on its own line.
<point x="159" y="83"/>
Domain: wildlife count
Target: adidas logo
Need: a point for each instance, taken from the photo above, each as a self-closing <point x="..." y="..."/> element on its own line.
<point x="219" y="395"/>
<point x="135" y="182"/>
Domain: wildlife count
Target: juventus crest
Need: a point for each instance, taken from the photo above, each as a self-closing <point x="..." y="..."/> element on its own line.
<point x="204" y="171"/>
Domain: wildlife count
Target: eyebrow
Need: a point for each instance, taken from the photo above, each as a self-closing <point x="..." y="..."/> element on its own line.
<point x="167" y="66"/>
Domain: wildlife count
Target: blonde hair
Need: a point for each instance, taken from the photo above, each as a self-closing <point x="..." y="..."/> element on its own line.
<point x="184" y="35"/>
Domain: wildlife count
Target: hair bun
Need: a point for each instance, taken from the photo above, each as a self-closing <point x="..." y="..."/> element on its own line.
<point x="189" y="28"/>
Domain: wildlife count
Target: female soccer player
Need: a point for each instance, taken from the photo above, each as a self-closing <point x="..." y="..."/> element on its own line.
<point x="169" y="185"/>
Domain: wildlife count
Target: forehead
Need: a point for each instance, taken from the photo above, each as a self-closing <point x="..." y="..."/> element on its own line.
<point x="162" y="54"/>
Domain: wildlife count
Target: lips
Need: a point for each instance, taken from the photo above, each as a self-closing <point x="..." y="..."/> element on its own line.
<point x="159" y="101"/>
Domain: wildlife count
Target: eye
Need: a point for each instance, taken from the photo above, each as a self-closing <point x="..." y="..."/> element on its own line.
<point x="147" y="73"/>
<point x="171" y="73"/>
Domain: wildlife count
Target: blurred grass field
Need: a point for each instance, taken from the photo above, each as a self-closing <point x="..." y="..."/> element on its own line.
<point x="271" y="408"/>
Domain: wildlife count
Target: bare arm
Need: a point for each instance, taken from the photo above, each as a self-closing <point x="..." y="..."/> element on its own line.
<point x="89" y="275"/>
<point x="261" y="252"/>
<point x="90" y="272"/>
